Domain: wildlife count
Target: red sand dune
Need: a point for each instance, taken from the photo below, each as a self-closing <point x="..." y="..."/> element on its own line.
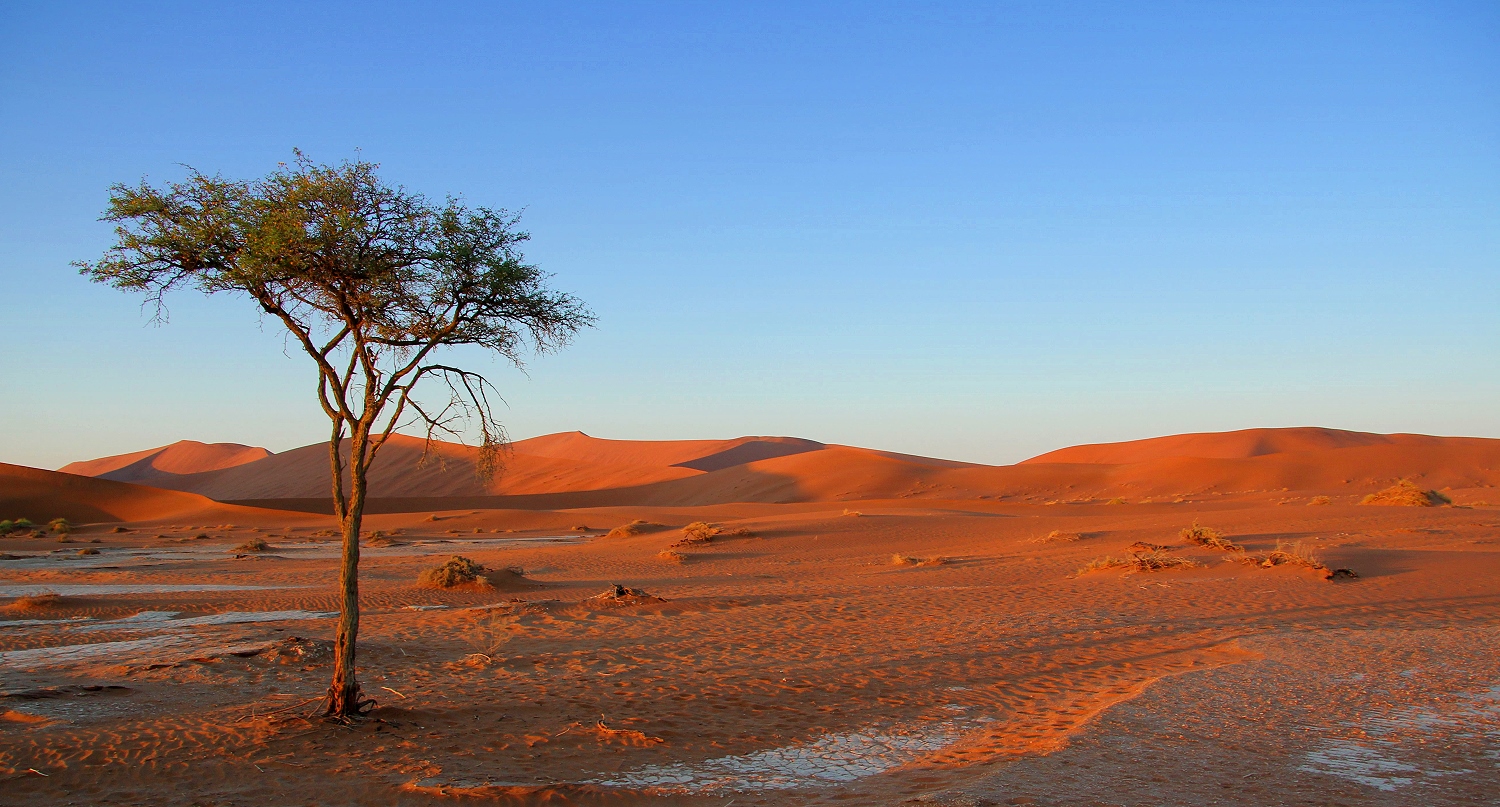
<point x="575" y="470"/>
<point x="1228" y="445"/>
<point x="44" y="495"/>
<point x="155" y="464"/>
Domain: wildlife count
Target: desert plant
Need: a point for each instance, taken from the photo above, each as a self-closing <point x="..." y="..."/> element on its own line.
<point x="88" y="550"/>
<point x="23" y="523"/>
<point x="1319" y="500"/>
<point x="1055" y="536"/>
<point x="698" y="532"/>
<point x="43" y="601"/>
<point x="1116" y="500"/>
<point x="60" y="525"/>
<point x="636" y="527"/>
<point x="1154" y="560"/>
<point x="373" y="283"/>
<point x="457" y="571"/>
<point x="899" y="559"/>
<point x="852" y="513"/>
<point x="672" y="555"/>
<point x="1209" y="537"/>
<point x="1406" y="494"/>
<point x="1285" y="554"/>
<point x="491" y="631"/>
<point x="254" y="544"/>
<point x="7" y="526"/>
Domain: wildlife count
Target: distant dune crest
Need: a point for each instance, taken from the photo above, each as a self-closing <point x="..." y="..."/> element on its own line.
<point x="572" y="469"/>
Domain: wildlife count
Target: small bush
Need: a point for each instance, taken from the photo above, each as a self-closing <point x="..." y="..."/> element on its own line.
<point x="1406" y="494"/>
<point x="254" y="544"/>
<point x="60" y="525"/>
<point x="698" y="532"/>
<point x="1116" y="500"/>
<point x="907" y="560"/>
<point x="1319" y="500"/>
<point x="119" y="529"/>
<point x="852" y="513"/>
<point x="1209" y="537"/>
<point x="31" y="603"/>
<point x="6" y="526"/>
<point x="1285" y="554"/>
<point x="458" y="571"/>
<point x="581" y="528"/>
<point x="88" y="551"/>
<point x="1056" y="536"/>
<point x="672" y="556"/>
<point x="634" y="528"/>
<point x="1149" y="561"/>
<point x="23" y="523"/>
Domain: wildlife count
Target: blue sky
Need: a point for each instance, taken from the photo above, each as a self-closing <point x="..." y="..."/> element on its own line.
<point x="977" y="231"/>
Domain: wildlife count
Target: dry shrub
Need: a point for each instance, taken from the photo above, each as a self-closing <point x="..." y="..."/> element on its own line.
<point x="1294" y="554"/>
<point x="909" y="560"/>
<point x="119" y="529"/>
<point x="1318" y="500"/>
<point x="634" y="528"/>
<point x="1406" y="494"/>
<point x="1209" y="537"/>
<point x="88" y="551"/>
<point x="60" y="525"/>
<point x="490" y="632"/>
<point x="623" y="595"/>
<point x="698" y="532"/>
<point x="1149" y="561"/>
<point x="1055" y="536"/>
<point x="254" y="543"/>
<point x="458" y="571"/>
<point x="1116" y="500"/>
<point x="852" y="513"/>
<point x="672" y="556"/>
<point x="32" y="603"/>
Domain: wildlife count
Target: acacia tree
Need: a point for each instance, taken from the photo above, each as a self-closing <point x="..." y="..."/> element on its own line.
<point x="372" y="282"/>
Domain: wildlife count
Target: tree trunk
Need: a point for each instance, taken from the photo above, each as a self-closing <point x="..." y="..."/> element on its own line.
<point x="343" y="694"/>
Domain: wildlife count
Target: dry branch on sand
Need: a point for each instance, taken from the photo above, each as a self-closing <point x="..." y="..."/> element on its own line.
<point x="637" y="527"/>
<point x="458" y="571"/>
<point x="1406" y="494"/>
<point x="1209" y="537"/>
<point x="1153" y="560"/>
<point x="1056" y="536"/>
<point x="622" y="595"/>
<point x="909" y="560"/>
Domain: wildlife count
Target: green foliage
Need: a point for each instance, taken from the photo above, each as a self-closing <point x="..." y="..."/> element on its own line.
<point x="60" y="525"/>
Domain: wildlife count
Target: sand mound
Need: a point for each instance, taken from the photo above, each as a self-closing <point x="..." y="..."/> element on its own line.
<point x="458" y="571"/>
<point x="619" y="595"/>
<point x="1224" y="445"/>
<point x="181" y="457"/>
<point x="44" y="495"/>
<point x="1406" y="494"/>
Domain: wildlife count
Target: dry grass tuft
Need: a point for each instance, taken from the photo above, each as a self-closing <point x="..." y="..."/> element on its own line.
<point x="60" y="525"/>
<point x="1149" y="561"/>
<point x="908" y="560"/>
<point x="1116" y="500"/>
<point x="458" y="571"/>
<point x="634" y="528"/>
<point x="1056" y="536"/>
<point x="1319" y="500"/>
<point x="1285" y="554"/>
<point x="1406" y="494"/>
<point x="254" y="543"/>
<point x="1209" y="537"/>
<point x="852" y="513"/>
<point x="32" y="603"/>
<point x="698" y="532"/>
<point x="672" y="556"/>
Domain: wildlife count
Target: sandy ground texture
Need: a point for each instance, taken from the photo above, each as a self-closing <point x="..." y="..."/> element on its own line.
<point x="799" y="663"/>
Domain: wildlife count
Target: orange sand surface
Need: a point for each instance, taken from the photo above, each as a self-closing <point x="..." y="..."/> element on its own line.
<point x="794" y="663"/>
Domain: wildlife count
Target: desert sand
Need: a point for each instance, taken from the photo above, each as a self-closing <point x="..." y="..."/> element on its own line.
<point x="865" y="628"/>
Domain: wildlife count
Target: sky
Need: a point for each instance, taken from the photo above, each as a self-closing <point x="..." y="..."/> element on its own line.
<point x="974" y="231"/>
